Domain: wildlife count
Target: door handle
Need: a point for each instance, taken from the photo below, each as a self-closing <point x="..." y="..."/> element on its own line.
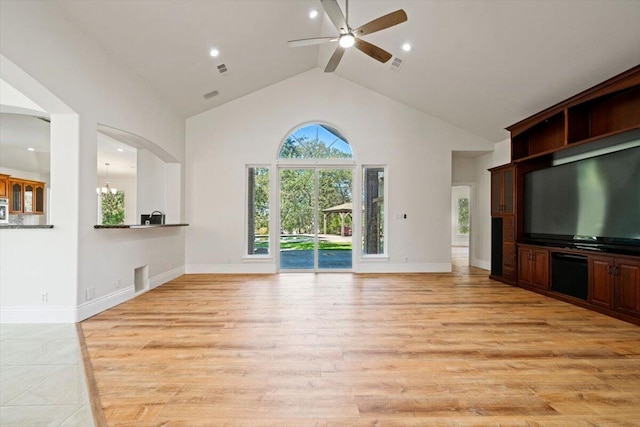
<point x="616" y="271"/>
<point x="610" y="270"/>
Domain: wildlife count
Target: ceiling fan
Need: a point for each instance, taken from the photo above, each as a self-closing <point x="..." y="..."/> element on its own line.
<point x="349" y="37"/>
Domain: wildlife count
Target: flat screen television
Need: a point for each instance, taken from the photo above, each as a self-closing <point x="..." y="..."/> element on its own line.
<point x="593" y="203"/>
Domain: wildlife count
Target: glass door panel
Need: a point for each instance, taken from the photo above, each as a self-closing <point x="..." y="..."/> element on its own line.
<point x="297" y="219"/>
<point x="335" y="215"/>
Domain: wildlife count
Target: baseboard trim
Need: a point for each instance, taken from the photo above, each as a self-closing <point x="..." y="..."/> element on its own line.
<point x="480" y="263"/>
<point x="98" y="305"/>
<point x="165" y="277"/>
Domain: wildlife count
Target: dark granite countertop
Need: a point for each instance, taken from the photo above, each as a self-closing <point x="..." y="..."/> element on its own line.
<point x="23" y="226"/>
<point x="122" y="226"/>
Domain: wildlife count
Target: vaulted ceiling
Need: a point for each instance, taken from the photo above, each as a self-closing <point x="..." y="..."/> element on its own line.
<point x="480" y="65"/>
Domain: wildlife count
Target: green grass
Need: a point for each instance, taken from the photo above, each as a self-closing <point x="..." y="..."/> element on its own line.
<point x="307" y="245"/>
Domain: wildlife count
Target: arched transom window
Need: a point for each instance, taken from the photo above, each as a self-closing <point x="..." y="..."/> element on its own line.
<point x="316" y="141"/>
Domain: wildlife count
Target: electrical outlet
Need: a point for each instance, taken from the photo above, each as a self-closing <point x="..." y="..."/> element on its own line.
<point x="90" y="294"/>
<point x="170" y="265"/>
<point x="406" y="259"/>
<point x="118" y="283"/>
<point x="44" y="297"/>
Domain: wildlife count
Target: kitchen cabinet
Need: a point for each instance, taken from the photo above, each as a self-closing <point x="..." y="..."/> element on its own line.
<point x="4" y="185"/>
<point x="16" y="189"/>
<point x="26" y="196"/>
<point x="533" y="267"/>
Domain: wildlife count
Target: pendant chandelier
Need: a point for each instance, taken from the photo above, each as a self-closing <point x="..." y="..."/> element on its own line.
<point x="106" y="189"/>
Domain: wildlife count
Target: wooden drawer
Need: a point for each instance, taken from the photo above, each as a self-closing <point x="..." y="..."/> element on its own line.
<point x="509" y="222"/>
<point x="509" y="274"/>
<point x="509" y="254"/>
<point x="508" y="230"/>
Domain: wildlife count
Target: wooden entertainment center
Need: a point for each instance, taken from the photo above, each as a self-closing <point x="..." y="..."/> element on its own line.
<point x="579" y="124"/>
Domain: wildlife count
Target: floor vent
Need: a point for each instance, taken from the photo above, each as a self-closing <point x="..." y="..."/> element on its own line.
<point x="211" y="94"/>
<point x="222" y="68"/>
<point x="396" y="63"/>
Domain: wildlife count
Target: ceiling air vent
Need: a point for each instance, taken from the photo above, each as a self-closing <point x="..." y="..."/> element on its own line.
<point x="396" y="63"/>
<point x="211" y="94"/>
<point x="222" y="68"/>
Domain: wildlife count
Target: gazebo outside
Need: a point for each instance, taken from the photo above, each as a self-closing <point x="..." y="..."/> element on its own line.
<point x="344" y="210"/>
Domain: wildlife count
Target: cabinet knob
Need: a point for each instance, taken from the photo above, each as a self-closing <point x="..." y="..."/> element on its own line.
<point x="610" y="270"/>
<point x="616" y="271"/>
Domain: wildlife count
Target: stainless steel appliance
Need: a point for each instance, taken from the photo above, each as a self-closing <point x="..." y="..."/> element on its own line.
<point x="4" y="210"/>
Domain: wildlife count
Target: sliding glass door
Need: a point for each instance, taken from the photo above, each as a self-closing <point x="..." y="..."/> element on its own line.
<point x="315" y="219"/>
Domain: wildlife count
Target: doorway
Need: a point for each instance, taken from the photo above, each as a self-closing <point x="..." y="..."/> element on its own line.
<point x="315" y="218"/>
<point x="460" y="224"/>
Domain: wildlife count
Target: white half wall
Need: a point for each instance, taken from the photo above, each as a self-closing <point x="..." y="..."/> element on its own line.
<point x="415" y="146"/>
<point x="75" y="262"/>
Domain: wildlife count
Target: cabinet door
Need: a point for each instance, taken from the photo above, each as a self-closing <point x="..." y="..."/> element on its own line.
<point x="601" y="281"/>
<point x="540" y="269"/>
<point x="27" y="197"/>
<point x="4" y="186"/>
<point x="496" y="193"/>
<point x="39" y="199"/>
<point x="627" y="286"/>
<point x="507" y="191"/>
<point x="524" y="266"/>
<point x="15" y="197"/>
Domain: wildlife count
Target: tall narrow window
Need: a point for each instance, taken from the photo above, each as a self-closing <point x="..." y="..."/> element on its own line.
<point x="463" y="215"/>
<point x="373" y="211"/>
<point x="258" y="211"/>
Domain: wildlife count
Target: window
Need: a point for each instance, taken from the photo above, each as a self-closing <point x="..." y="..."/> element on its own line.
<point x="258" y="210"/>
<point x="373" y="211"/>
<point x="112" y="208"/>
<point x="315" y="142"/>
<point x="463" y="215"/>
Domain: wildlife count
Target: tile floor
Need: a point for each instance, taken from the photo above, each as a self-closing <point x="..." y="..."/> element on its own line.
<point x="42" y="381"/>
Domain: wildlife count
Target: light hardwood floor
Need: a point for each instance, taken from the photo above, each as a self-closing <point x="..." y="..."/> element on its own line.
<point x="342" y="349"/>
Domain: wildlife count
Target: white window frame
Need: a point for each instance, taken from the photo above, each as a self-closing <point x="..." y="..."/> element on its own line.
<point x="384" y="256"/>
<point x="246" y="255"/>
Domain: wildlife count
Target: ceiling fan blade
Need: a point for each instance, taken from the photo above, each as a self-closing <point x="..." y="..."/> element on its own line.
<point x="386" y="21"/>
<point x="335" y="60"/>
<point x="312" y="41"/>
<point x="335" y="14"/>
<point x="373" y="51"/>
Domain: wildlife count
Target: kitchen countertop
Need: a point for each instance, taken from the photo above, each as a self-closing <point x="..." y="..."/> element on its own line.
<point x="124" y="226"/>
<point x="24" y="226"/>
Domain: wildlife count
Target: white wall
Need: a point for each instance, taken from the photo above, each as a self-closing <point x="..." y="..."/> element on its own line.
<point x="151" y="183"/>
<point x="415" y="146"/>
<point x="73" y="257"/>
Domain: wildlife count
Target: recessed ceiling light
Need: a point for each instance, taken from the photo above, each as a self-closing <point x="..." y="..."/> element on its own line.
<point x="214" y="52"/>
<point x="406" y="47"/>
<point x="313" y="14"/>
<point x="31" y="149"/>
<point x="120" y="149"/>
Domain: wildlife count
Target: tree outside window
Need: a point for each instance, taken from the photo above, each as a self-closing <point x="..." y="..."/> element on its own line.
<point x="112" y="208"/>
<point x="463" y="215"/>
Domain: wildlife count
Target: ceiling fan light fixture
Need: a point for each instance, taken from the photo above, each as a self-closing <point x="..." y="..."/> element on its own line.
<point x="347" y="40"/>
